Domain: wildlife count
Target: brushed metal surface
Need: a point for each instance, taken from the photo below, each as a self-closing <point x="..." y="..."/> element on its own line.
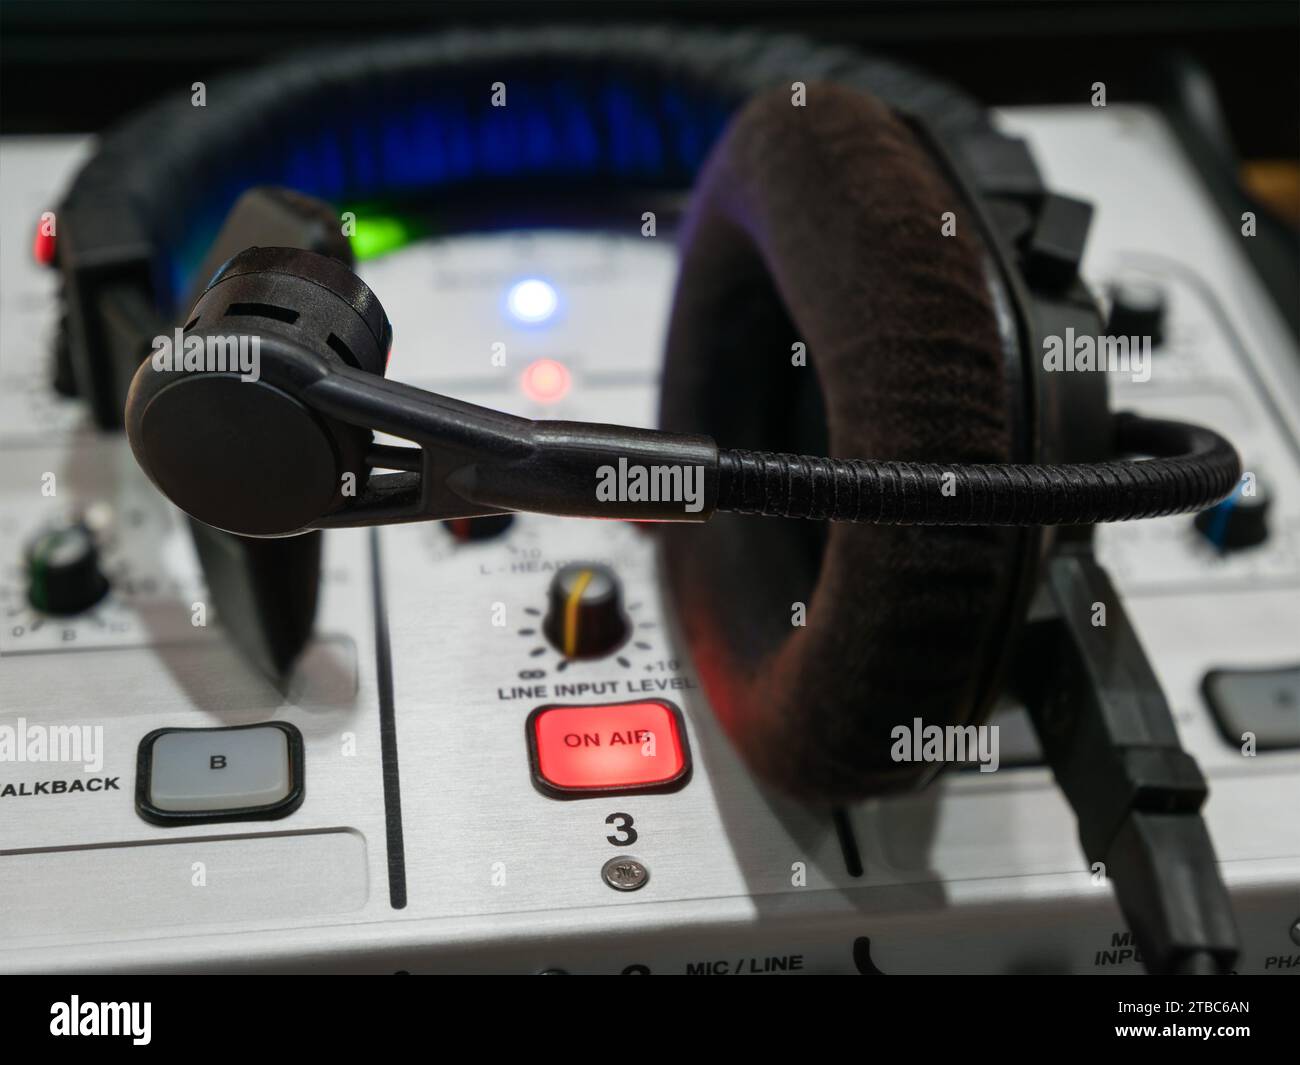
<point x="191" y="883"/>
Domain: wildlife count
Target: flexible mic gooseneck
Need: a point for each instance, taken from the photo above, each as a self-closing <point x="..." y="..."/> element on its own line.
<point x="1194" y="468"/>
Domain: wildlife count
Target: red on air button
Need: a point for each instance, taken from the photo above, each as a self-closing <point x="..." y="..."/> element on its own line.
<point x="608" y="747"/>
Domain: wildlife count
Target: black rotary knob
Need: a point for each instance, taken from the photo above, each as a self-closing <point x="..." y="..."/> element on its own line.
<point x="1238" y="522"/>
<point x="63" y="574"/>
<point x="584" y="617"/>
<point x="1137" y="309"/>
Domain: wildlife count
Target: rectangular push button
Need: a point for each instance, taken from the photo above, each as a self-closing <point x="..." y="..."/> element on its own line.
<point x="200" y="775"/>
<point x="1262" y="702"/>
<point x="608" y="748"/>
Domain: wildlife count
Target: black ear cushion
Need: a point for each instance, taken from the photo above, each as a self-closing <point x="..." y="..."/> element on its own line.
<point x="821" y="225"/>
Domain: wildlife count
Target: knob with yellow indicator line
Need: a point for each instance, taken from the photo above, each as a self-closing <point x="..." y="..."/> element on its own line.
<point x="584" y="616"/>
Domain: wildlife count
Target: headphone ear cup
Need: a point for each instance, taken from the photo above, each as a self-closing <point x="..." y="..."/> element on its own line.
<point x="229" y="447"/>
<point x="820" y="226"/>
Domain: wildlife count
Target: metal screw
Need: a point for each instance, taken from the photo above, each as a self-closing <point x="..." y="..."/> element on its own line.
<point x="1295" y="932"/>
<point x="625" y="874"/>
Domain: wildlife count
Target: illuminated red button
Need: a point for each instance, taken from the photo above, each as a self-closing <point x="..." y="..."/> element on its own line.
<point x="585" y="750"/>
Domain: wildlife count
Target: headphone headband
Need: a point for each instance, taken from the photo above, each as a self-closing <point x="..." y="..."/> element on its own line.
<point x="628" y="106"/>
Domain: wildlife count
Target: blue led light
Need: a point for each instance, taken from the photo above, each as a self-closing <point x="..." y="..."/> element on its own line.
<point x="571" y="128"/>
<point x="532" y="300"/>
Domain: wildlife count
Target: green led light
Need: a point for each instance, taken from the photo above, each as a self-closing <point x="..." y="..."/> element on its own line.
<point x="377" y="234"/>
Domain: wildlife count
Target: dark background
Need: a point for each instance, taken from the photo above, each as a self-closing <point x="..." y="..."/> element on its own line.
<point x="76" y="65"/>
<point x="1226" y="73"/>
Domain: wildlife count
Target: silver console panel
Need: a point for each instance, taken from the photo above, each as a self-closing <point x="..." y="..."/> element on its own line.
<point x="422" y="843"/>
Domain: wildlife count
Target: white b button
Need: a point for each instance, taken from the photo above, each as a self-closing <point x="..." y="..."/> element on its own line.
<point x="188" y="776"/>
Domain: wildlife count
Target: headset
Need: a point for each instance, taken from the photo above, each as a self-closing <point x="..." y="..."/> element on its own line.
<point x="925" y="440"/>
<point x="304" y="426"/>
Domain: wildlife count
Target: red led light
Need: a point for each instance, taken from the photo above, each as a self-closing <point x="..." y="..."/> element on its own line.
<point x="614" y="747"/>
<point x="43" y="245"/>
<point x="546" y="381"/>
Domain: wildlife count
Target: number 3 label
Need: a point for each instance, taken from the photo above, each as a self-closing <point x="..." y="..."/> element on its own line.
<point x="625" y="834"/>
